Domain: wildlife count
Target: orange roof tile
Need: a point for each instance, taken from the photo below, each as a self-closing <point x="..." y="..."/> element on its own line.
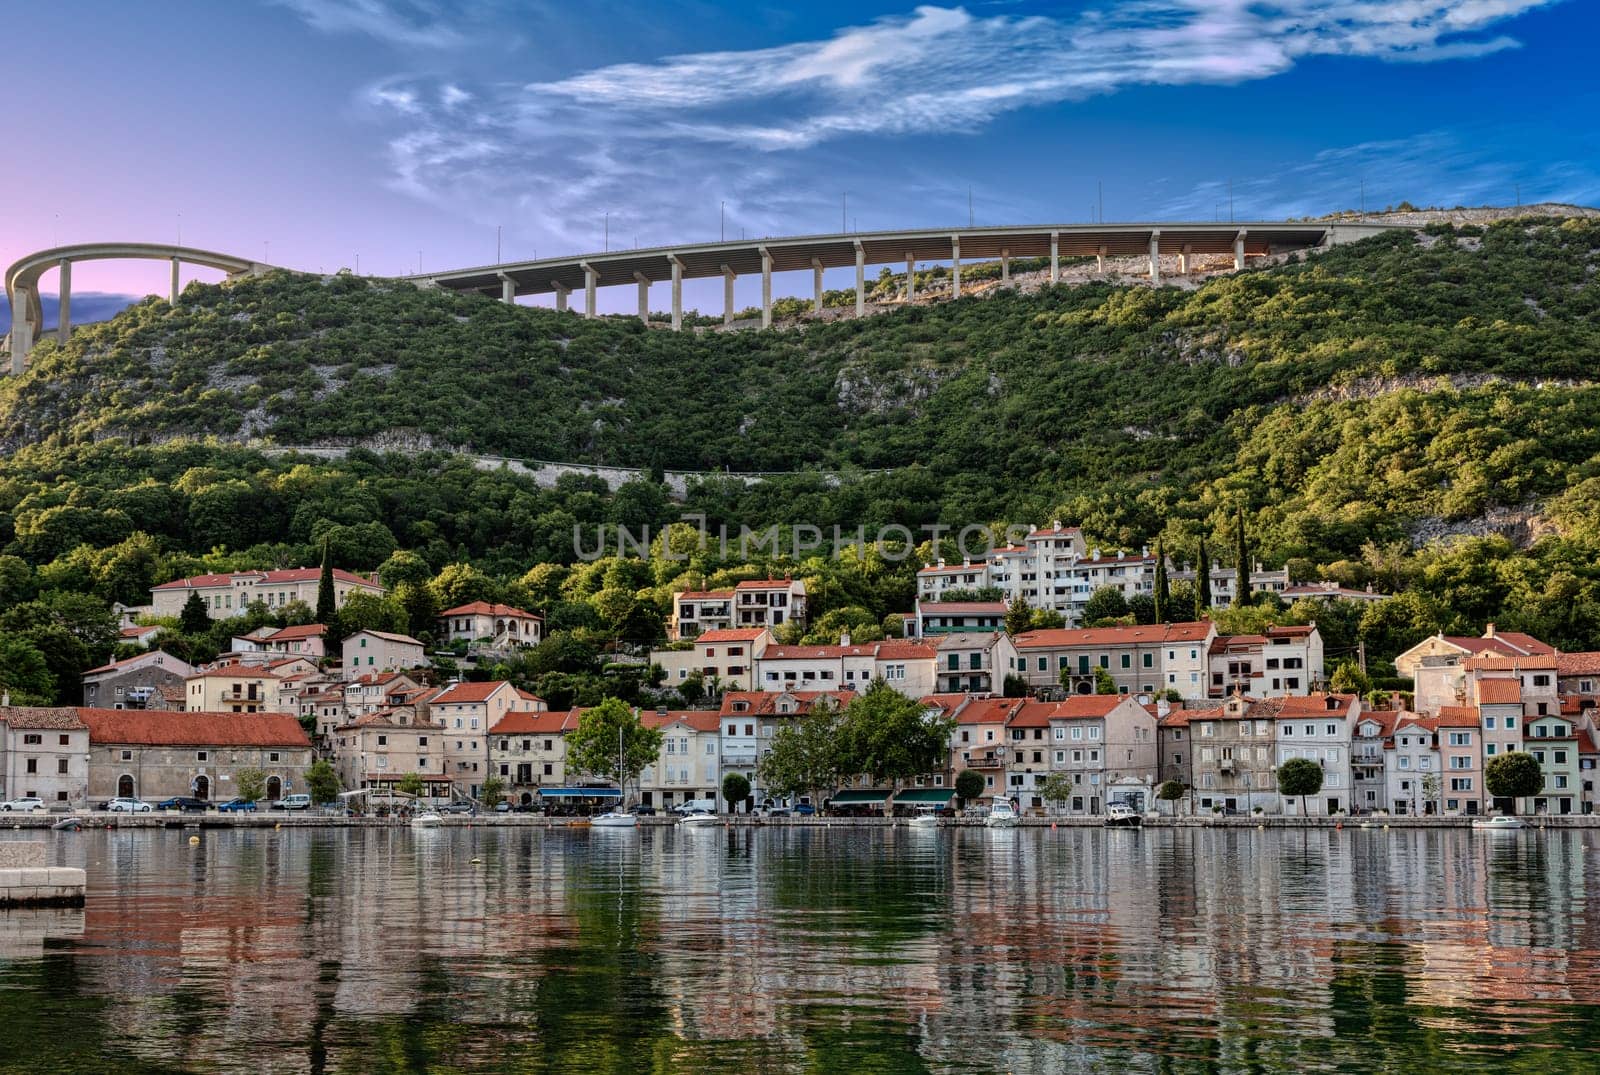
<point x="544" y="722"/>
<point x="1499" y="691"/>
<point x="464" y="693"/>
<point x="263" y="578"/>
<point x="1150" y="634"/>
<point x="155" y="727"/>
<point x="484" y="608"/>
<point x="731" y="634"/>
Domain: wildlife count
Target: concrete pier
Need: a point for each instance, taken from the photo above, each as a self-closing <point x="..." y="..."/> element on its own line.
<point x="25" y="880"/>
<point x="64" y="288"/>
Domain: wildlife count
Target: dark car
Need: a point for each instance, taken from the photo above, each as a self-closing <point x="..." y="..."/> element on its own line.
<point x="642" y="810"/>
<point x="456" y="808"/>
<point x="237" y="806"/>
<point x="184" y="803"/>
<point x="805" y="810"/>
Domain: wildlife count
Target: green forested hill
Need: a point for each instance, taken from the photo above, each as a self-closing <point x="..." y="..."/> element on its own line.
<point x="1355" y="404"/>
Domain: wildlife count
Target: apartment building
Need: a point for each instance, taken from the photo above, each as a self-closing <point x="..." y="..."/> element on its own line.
<point x="1318" y="728"/>
<point x="528" y="751"/>
<point x="694" y="612"/>
<point x="907" y="666"/>
<point x="769" y="602"/>
<point x="1411" y="766"/>
<point x="44" y="754"/>
<point x="225" y="596"/>
<point x="233" y="688"/>
<point x="1226" y="754"/>
<point x="134" y="683"/>
<point x="1281" y="661"/>
<point x="367" y="653"/>
<point x="972" y="662"/>
<point x="724" y="655"/>
<point x="1106" y="745"/>
<point x="498" y="626"/>
<point x="1139" y="660"/>
<point x="689" y="764"/>
<point x="1460" y="741"/>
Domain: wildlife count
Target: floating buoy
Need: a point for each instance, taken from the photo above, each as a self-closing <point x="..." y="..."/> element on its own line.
<point x="1386" y="826"/>
<point x="277" y="827"/>
<point x="1260" y="826"/>
<point x="476" y="861"/>
<point x="194" y="840"/>
<point x="1052" y="826"/>
<point x="1339" y="827"/>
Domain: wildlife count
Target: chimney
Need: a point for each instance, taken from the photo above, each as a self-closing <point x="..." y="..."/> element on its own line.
<point x="844" y="638"/>
<point x="1163" y="707"/>
<point x="1488" y="629"/>
<point x="941" y="561"/>
<point x="1055" y="524"/>
<point x="661" y="710"/>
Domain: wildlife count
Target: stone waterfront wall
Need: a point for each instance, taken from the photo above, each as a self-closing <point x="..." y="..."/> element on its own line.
<point x="26" y="881"/>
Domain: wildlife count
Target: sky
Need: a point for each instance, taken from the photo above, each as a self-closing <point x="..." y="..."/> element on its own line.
<point x="388" y="135"/>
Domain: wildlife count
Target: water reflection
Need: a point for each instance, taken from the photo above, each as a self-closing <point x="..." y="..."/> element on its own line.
<point x="811" y="949"/>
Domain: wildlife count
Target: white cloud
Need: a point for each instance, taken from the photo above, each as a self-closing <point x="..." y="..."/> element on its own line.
<point x="659" y="137"/>
<point x="407" y="23"/>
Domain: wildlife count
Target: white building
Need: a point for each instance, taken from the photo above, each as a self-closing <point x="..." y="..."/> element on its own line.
<point x="229" y="595"/>
<point x="1319" y="728"/>
<point x="44" y="754"/>
<point x="908" y="667"/>
<point x="1411" y="763"/>
<point x="1282" y="661"/>
<point x="769" y="602"/>
<point x="499" y="626"/>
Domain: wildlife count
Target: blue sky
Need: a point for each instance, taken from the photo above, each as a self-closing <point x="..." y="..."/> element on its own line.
<point x="404" y="131"/>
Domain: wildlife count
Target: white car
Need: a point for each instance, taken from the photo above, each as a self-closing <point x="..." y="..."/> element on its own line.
<point x="129" y="806"/>
<point x="27" y="803"/>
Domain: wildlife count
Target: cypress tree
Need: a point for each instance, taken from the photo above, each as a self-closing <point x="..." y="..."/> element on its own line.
<point x="1241" y="563"/>
<point x="1202" y="583"/>
<point x="325" y="601"/>
<point x="194" y="619"/>
<point x="1163" y="594"/>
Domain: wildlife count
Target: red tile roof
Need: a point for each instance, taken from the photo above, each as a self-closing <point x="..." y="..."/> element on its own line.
<point x="152" y="656"/>
<point x="389" y="636"/>
<point x="1457" y="716"/>
<point x="521" y="722"/>
<point x="704" y="595"/>
<point x="765" y="584"/>
<point x="701" y="720"/>
<point x="1151" y="634"/>
<point x="293" y="634"/>
<point x="946" y="608"/>
<point x="263" y="578"/>
<point x="989" y="710"/>
<point x="1578" y="664"/>
<point x="53" y="718"/>
<point x="731" y="634"/>
<point x="765" y="702"/>
<point x="234" y="671"/>
<point x="464" y="693"/>
<point x="1499" y="691"/>
<point x="1032" y="715"/>
<point x="1180" y="718"/>
<point x="484" y="608"/>
<point x="153" y="727"/>
<point x="1515" y="663"/>
<point x="1088" y="705"/>
<point x="1315" y="705"/>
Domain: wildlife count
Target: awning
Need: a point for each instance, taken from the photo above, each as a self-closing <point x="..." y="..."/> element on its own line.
<point x="581" y="793"/>
<point x="925" y="796"/>
<point x="859" y="798"/>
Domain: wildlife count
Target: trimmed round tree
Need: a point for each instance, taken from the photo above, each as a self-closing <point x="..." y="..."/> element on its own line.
<point x="1513" y="775"/>
<point x="969" y="785"/>
<point x="1171" y="792"/>
<point x="1299" y="776"/>
<point x="735" y="789"/>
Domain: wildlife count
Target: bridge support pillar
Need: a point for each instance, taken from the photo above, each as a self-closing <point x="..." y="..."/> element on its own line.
<point x="21" y="328"/>
<point x="64" y="287"/>
<point x="508" y="290"/>
<point x="562" y="291"/>
<point x="1005" y="265"/>
<point x="728" y="276"/>
<point x="591" y="280"/>
<point x="1183" y="259"/>
<point x="1100" y="259"/>
<point x="175" y="288"/>
<point x="1155" y="257"/>
<point x="1238" y="251"/>
<point x="955" y="266"/>
<point x="644" y="296"/>
<point x="911" y="279"/>
<point x="677" y="293"/>
<point x="816" y="286"/>
<point x="766" y="288"/>
<point x="861" y="279"/>
<point x="1055" y="257"/>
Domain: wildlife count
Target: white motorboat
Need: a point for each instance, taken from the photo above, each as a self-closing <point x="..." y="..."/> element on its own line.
<point x="1002" y="815"/>
<point x="699" y="820"/>
<point x="926" y="817"/>
<point x="1502" y="823"/>
<point x="1122" y="816"/>
<point x="427" y="820"/>
<point x="614" y="819"/>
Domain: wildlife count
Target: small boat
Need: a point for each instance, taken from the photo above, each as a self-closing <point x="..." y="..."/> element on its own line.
<point x="1002" y="815"/>
<point x="68" y="824"/>
<point x="926" y="817"/>
<point x="699" y="820"/>
<point x="427" y="820"/>
<point x="1122" y="816"/>
<point x="1502" y="823"/>
<point x="614" y="819"/>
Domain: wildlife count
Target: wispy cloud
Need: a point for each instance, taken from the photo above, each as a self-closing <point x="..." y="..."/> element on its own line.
<point x="660" y="136"/>
<point x="407" y="23"/>
<point x="1440" y="167"/>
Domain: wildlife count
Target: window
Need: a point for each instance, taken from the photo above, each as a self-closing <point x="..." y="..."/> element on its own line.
<point x="199" y="755"/>
<point x="1405" y="761"/>
<point x="1460" y="762"/>
<point x="1330" y="730"/>
<point x="1077" y="733"/>
<point x="1561" y="757"/>
<point x="1288" y="731"/>
<point x="1460" y="739"/>
<point x="32" y="766"/>
<point x="61" y="766"/>
<point x="1205" y="730"/>
<point x="64" y="740"/>
<point x="273" y="756"/>
<point x="30" y="739"/>
<point x="127" y="755"/>
<point x="383" y="740"/>
<point x="1094" y="731"/>
<point x="1488" y="724"/>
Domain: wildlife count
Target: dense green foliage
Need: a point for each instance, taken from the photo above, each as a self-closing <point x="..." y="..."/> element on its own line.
<point x="1299" y="777"/>
<point x="1513" y="775"/>
<point x="1343" y="407"/>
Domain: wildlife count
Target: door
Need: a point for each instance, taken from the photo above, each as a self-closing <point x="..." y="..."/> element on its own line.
<point x="274" y="788"/>
<point x="125" y="786"/>
<point x="202" y="787"/>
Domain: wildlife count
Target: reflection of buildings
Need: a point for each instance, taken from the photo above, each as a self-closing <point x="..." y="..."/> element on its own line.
<point x="1024" y="949"/>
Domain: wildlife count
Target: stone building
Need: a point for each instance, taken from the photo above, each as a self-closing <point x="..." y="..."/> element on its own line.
<point x="134" y="683"/>
<point x="44" y="754"/>
<point x="158" y="755"/>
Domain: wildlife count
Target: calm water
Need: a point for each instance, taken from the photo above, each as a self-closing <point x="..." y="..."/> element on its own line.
<point x="779" y="950"/>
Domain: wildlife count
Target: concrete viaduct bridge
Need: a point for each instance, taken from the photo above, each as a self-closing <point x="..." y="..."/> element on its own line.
<point x="730" y="260"/>
<point x="22" y="282"/>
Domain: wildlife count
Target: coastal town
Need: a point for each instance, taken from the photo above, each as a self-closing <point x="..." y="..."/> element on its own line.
<point x="1166" y="719"/>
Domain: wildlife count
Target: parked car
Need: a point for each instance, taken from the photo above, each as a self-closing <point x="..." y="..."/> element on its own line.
<point x="642" y="810"/>
<point x="696" y="806"/>
<point x="237" y="806"/>
<point x="776" y="811"/>
<point x="185" y="803"/>
<point x="26" y="803"/>
<point x="292" y="802"/>
<point x="129" y="806"/>
<point x="805" y="810"/>
<point x="458" y="807"/>
<point x="502" y="807"/>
